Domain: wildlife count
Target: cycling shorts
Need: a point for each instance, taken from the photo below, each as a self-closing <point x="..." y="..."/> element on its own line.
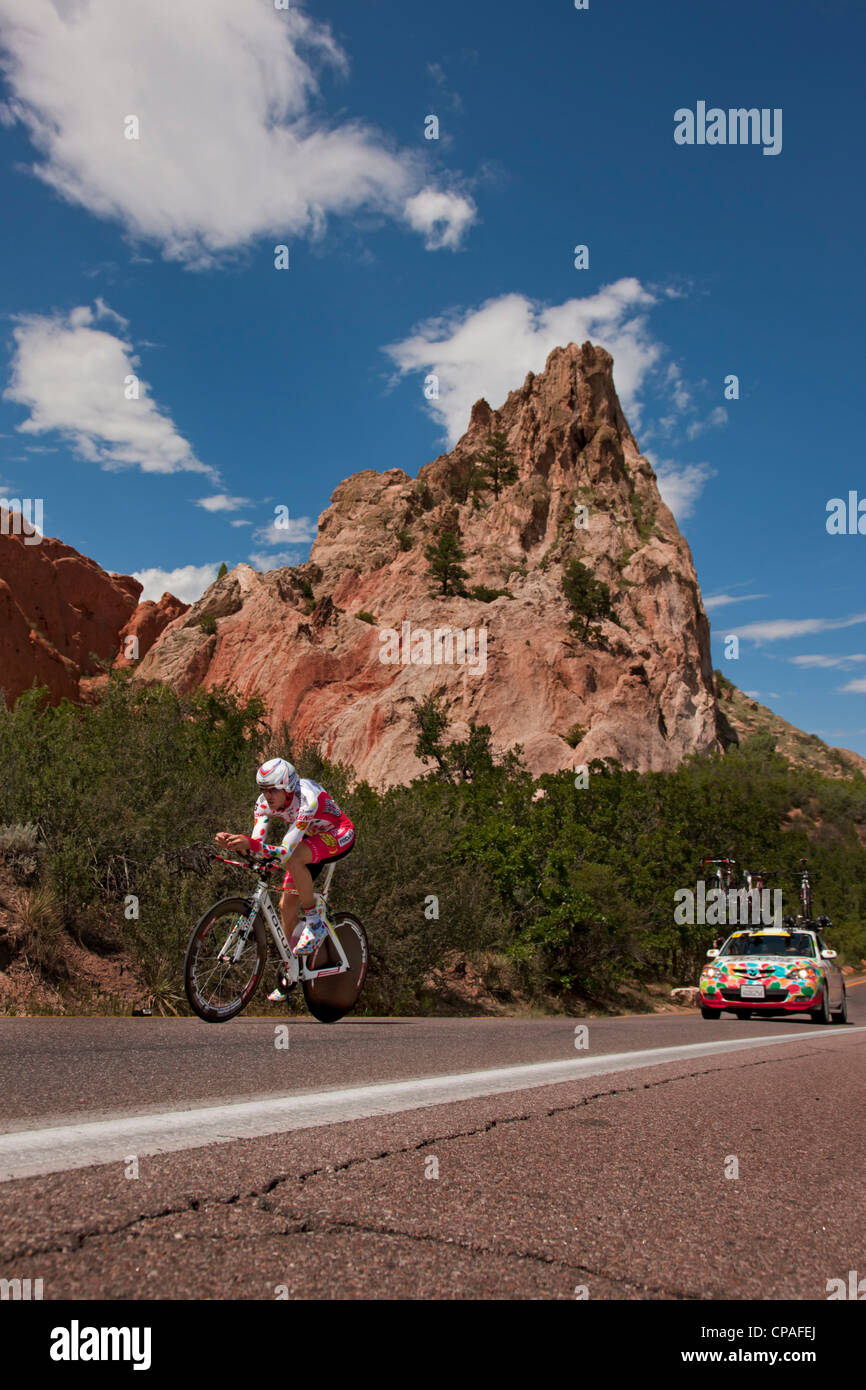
<point x="327" y="845"/>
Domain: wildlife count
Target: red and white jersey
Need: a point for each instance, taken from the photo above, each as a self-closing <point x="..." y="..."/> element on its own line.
<point x="310" y="812"/>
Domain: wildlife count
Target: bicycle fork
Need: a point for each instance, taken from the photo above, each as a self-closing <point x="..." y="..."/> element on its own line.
<point x="237" y="938"/>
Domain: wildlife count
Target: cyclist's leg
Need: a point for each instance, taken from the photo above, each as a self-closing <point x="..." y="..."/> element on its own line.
<point x="298" y="871"/>
<point x="289" y="910"/>
<point x="313" y="854"/>
<point x="311" y="857"/>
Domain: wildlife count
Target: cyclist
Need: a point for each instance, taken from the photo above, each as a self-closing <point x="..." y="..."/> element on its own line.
<point x="318" y="832"/>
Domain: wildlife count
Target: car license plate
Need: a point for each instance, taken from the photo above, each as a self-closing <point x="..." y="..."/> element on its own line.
<point x="751" y="991"/>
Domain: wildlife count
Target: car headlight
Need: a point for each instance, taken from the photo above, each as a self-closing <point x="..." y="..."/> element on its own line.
<point x="710" y="973"/>
<point x="803" y="974"/>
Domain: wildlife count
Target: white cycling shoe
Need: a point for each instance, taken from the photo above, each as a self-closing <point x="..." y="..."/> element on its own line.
<point x="311" y="937"/>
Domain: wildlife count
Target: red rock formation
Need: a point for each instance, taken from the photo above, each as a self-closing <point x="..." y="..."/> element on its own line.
<point x="647" y="699"/>
<point x="61" y="615"/>
<point x="146" y="623"/>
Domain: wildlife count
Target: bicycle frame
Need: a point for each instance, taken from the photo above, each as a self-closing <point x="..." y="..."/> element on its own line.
<point x="295" y="967"/>
<point x="805" y="892"/>
<point x="724" y="873"/>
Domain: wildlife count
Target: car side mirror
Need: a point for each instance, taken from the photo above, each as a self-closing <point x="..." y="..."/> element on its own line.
<point x="829" y="955"/>
<point x="714" y="952"/>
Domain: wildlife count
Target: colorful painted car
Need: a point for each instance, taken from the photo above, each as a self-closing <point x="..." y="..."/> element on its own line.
<point x="774" y="970"/>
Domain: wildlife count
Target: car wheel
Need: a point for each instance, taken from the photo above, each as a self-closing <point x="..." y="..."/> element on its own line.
<point x="743" y="1013"/>
<point x="841" y="1015"/>
<point x="822" y="1014"/>
<point x="710" y="1013"/>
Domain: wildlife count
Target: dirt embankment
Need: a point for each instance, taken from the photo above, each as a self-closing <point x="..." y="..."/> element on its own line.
<point x="49" y="968"/>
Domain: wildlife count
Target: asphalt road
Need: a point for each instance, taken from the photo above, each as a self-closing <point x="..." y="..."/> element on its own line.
<point x="691" y="1175"/>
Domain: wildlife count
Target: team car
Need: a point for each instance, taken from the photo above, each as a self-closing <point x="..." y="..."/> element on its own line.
<point x="774" y="970"/>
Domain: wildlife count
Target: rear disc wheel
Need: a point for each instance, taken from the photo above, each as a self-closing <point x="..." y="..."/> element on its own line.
<point x="332" y="996"/>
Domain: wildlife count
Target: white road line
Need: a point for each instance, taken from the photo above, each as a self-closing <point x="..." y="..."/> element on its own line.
<point x="33" y="1152"/>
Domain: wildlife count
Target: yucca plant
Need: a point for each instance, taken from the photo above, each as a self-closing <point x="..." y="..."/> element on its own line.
<point x="161" y="982"/>
<point x="42" y="933"/>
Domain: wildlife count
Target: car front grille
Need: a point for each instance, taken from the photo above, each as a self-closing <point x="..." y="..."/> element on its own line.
<point x="770" y="996"/>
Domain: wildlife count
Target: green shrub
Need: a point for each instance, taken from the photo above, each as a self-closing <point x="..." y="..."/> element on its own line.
<point x="18" y="839"/>
<point x="207" y="623"/>
<point x="405" y="539"/>
<point x="573" y="888"/>
<point x="645" y="529"/>
<point x="485" y="595"/>
<point x="575" y="735"/>
<point x="365" y="617"/>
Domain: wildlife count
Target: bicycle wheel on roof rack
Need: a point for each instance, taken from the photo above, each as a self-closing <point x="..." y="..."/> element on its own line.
<point x="332" y="996"/>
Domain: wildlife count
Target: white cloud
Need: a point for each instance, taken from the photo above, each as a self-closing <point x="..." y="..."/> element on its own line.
<point x="442" y="218"/>
<point x="488" y="351"/>
<point x="722" y="600"/>
<point x="240" y="523"/>
<point x="70" y="376"/>
<point x="681" y="397"/>
<point x="299" y="530"/>
<point x="856" y="687"/>
<point x="828" y="661"/>
<point x="233" y="143"/>
<point x="278" y="560"/>
<point x="681" y="485"/>
<point x="715" y="419"/>
<point x="221" y="502"/>
<point x="778" y="628"/>
<point x="187" y="583"/>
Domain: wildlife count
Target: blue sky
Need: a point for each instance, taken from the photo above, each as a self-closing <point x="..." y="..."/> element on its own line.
<point x="263" y="387"/>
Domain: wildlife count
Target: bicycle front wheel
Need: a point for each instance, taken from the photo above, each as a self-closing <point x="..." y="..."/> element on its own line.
<point x="219" y="989"/>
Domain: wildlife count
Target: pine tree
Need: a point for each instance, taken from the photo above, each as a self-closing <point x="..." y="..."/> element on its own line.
<point x="589" y="597"/>
<point x="223" y="569"/>
<point x="431" y="720"/>
<point x="473" y="483"/>
<point x="497" y="464"/>
<point x="445" y="557"/>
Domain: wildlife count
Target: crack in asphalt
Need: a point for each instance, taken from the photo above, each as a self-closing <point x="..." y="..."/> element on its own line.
<point x="498" y="1252"/>
<point x="516" y="1119"/>
<point x="75" y="1242"/>
<point x="336" y="1225"/>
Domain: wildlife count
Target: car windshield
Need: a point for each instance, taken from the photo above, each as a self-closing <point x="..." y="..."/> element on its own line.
<point x="785" y="944"/>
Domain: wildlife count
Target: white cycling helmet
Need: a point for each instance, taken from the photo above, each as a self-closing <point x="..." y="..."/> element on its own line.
<point x="276" y="772"/>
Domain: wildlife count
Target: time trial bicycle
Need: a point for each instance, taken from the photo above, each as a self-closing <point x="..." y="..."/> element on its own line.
<point x="228" y="953"/>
